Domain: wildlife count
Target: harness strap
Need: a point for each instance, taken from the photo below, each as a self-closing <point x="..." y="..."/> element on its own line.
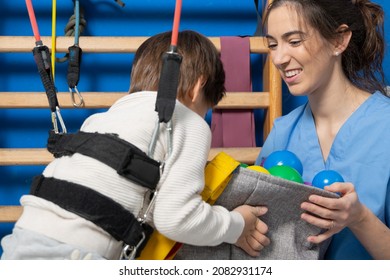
<point x="42" y="59"/>
<point x="95" y="207"/>
<point x="73" y="75"/>
<point x="168" y="84"/>
<point x="128" y="160"/>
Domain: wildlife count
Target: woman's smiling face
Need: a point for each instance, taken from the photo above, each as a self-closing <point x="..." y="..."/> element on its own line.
<point x="304" y="59"/>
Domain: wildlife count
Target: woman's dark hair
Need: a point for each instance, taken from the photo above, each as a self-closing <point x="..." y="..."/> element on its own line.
<point x="200" y="59"/>
<point x="362" y="60"/>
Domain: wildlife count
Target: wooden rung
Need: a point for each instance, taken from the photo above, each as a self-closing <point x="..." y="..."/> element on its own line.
<point x="246" y="155"/>
<point x="39" y="99"/>
<point x="25" y="156"/>
<point x="100" y="44"/>
<point x="244" y="100"/>
<point x="233" y="100"/>
<point x="9" y="214"/>
<point x="40" y="156"/>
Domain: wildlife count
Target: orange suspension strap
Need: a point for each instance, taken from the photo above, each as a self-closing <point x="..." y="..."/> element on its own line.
<point x="42" y="59"/>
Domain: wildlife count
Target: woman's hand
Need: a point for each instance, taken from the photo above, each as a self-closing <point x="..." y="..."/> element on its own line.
<point x="333" y="214"/>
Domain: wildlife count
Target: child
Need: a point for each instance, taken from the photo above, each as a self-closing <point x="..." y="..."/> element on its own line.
<point x="47" y="231"/>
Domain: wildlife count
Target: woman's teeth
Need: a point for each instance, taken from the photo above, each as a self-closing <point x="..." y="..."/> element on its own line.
<point x="292" y="73"/>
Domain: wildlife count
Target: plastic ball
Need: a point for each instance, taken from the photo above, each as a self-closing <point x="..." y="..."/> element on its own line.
<point x="326" y="178"/>
<point x="283" y="157"/>
<point x="258" y="169"/>
<point x="243" y="165"/>
<point x="286" y="172"/>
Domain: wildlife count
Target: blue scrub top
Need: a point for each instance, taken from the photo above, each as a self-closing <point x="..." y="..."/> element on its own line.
<point x="360" y="153"/>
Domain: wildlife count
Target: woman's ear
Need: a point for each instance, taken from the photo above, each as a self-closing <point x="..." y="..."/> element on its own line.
<point x="342" y="41"/>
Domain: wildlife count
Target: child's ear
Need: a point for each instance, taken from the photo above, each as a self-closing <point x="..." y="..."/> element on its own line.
<point x="342" y="41"/>
<point x="197" y="91"/>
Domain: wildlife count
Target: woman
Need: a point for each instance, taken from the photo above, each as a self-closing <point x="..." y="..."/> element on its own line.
<point x="332" y="52"/>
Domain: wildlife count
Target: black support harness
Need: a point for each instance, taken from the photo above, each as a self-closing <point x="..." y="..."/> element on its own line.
<point x="129" y="162"/>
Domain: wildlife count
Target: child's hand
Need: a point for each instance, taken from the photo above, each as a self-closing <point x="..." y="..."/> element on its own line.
<point x="253" y="239"/>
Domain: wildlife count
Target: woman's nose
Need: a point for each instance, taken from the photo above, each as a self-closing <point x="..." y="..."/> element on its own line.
<point x="280" y="56"/>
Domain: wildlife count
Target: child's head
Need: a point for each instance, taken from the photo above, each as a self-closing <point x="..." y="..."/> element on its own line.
<point x="201" y="62"/>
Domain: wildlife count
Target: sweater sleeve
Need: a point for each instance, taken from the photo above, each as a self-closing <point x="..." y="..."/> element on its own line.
<point x="180" y="213"/>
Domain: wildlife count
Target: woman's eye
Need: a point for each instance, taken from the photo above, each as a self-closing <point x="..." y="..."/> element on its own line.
<point x="295" y="43"/>
<point x="272" y="46"/>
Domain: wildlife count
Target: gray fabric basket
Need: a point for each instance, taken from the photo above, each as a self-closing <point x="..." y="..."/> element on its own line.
<point x="287" y="231"/>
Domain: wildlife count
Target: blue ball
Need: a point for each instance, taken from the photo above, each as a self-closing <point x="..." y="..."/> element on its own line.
<point x="326" y="178"/>
<point x="283" y="157"/>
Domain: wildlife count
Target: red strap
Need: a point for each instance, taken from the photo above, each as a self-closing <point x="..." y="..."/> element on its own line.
<point x="234" y="128"/>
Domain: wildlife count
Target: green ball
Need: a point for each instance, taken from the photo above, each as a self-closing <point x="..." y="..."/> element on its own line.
<point x="286" y="172"/>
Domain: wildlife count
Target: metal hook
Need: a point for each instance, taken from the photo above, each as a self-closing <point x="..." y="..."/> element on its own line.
<point x="169" y="137"/>
<point x="142" y="217"/>
<point x="156" y="132"/>
<point x="129" y="252"/>
<point x="153" y="142"/>
<point x="56" y="117"/>
<point x="81" y="99"/>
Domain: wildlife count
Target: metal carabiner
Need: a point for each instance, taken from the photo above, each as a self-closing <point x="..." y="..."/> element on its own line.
<point x="169" y="137"/>
<point x="142" y="215"/>
<point x="142" y="218"/>
<point x="55" y="118"/>
<point x="81" y="99"/>
<point x="156" y="132"/>
<point x="129" y="252"/>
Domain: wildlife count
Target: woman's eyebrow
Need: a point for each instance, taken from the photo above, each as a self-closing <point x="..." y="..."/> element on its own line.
<point x="287" y="34"/>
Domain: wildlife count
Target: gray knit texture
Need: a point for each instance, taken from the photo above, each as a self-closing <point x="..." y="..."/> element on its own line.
<point x="287" y="231"/>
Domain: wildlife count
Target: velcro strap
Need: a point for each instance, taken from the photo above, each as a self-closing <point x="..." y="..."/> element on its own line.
<point x="128" y="160"/>
<point x="73" y="74"/>
<point x="42" y="59"/>
<point x="93" y="206"/>
<point x="167" y="87"/>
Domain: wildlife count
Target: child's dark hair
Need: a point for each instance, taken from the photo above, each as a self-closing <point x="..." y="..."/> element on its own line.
<point x="362" y="60"/>
<point x="201" y="59"/>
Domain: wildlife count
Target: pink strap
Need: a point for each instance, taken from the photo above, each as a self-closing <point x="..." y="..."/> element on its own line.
<point x="234" y="128"/>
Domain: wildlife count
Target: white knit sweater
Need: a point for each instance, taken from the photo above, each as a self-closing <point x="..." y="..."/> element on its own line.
<point x="179" y="212"/>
